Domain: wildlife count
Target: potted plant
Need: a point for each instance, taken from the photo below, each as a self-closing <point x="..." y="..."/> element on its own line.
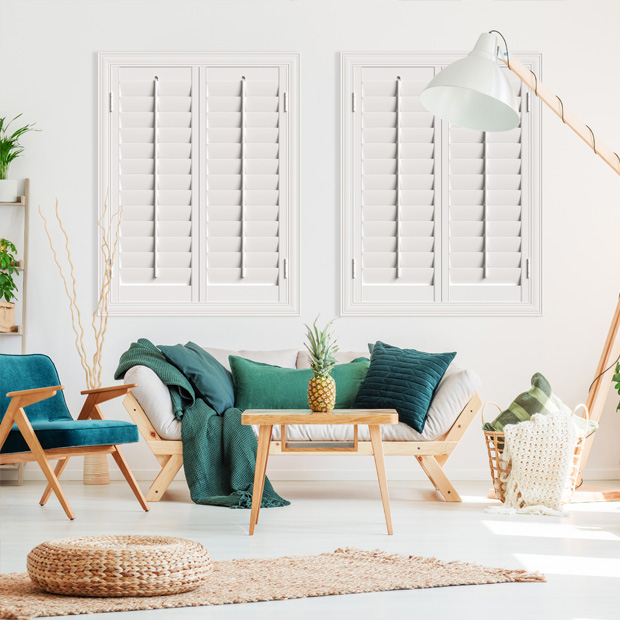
<point x="8" y="268"/>
<point x="10" y="149"/>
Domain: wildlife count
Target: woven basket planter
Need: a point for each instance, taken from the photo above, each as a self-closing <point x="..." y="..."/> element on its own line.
<point x="119" y="566"/>
<point x="499" y="472"/>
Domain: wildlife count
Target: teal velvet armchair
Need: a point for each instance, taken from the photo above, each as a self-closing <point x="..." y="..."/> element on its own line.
<point x="36" y="424"/>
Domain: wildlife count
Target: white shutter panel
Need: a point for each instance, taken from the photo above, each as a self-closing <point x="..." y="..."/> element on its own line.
<point x="247" y="208"/>
<point x="394" y="191"/>
<point x="152" y="166"/>
<point x="488" y="212"/>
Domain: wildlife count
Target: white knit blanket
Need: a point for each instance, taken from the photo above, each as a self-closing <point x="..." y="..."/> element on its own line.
<point x="539" y="455"/>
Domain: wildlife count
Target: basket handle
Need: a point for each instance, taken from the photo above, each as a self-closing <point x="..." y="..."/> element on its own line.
<point x="586" y="417"/>
<point x="490" y="402"/>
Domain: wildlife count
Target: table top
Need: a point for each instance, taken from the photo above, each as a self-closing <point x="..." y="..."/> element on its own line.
<point x="305" y="416"/>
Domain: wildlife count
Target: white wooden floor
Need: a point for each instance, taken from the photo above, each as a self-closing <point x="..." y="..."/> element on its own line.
<point x="580" y="553"/>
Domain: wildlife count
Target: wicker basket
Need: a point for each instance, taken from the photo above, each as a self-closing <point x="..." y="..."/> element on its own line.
<point x="499" y="472"/>
<point x="119" y="566"/>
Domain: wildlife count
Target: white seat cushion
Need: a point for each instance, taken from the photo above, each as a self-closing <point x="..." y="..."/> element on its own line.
<point x="154" y="398"/>
<point x="453" y="392"/>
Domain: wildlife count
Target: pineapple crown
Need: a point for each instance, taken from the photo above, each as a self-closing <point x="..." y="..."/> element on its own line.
<point x="322" y="348"/>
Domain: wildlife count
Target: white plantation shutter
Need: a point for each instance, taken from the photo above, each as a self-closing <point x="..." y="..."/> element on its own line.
<point x="394" y="146"/>
<point x="246" y="205"/>
<point x="488" y="210"/>
<point x="201" y="152"/>
<point x="436" y="219"/>
<point x="154" y="122"/>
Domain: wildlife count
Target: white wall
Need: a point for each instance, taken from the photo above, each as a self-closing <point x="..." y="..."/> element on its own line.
<point x="48" y="72"/>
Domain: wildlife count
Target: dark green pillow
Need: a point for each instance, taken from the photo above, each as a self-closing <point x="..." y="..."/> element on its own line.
<point x="208" y="377"/>
<point x="402" y="379"/>
<point x="262" y="386"/>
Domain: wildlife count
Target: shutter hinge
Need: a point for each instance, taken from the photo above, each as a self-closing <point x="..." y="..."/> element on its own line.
<point x="111" y="103"/>
<point x="353" y="271"/>
<point x="285" y="268"/>
<point x="353" y="103"/>
<point x="528" y="98"/>
<point x="528" y="268"/>
<point x="286" y="102"/>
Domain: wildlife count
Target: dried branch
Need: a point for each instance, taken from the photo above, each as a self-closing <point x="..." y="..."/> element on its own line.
<point x="109" y="239"/>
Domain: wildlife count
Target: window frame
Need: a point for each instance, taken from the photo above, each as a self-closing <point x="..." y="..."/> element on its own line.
<point x="109" y="60"/>
<point x="349" y="211"/>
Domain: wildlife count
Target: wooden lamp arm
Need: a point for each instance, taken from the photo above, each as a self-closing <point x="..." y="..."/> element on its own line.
<point x="555" y="104"/>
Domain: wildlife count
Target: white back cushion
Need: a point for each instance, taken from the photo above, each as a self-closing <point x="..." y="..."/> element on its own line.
<point x="343" y="357"/>
<point x="285" y="358"/>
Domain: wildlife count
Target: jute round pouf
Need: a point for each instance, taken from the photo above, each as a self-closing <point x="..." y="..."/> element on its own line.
<point x="119" y="566"/>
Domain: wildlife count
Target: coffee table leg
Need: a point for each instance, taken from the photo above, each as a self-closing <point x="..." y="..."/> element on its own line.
<point x="377" y="451"/>
<point x="264" y="436"/>
<point x="262" y="486"/>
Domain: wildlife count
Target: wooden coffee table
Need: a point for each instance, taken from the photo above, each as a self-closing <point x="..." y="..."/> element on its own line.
<point x="268" y="418"/>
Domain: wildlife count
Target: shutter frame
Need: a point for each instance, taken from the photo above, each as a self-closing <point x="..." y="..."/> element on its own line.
<point x="199" y="301"/>
<point x="350" y="237"/>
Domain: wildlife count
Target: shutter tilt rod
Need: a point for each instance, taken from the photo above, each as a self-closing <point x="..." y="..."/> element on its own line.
<point x="398" y="82"/>
<point x="155" y="183"/>
<point x="242" y="176"/>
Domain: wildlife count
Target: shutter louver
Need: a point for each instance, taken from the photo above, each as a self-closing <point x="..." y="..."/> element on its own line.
<point x="487" y="207"/>
<point x="394" y="146"/>
<point x="246" y="194"/>
<point x="153" y="168"/>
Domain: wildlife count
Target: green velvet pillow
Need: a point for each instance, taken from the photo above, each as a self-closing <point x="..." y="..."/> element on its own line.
<point x="262" y="386"/>
<point x="208" y="377"/>
<point x="402" y="379"/>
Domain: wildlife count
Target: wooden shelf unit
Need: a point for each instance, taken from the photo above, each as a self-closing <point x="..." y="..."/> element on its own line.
<point x="23" y="202"/>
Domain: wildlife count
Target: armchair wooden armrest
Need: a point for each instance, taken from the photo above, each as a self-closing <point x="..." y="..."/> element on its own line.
<point x="100" y="395"/>
<point x="125" y="388"/>
<point x="29" y="397"/>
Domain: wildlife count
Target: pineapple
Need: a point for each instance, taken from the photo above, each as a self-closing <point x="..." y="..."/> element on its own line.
<point x="321" y="351"/>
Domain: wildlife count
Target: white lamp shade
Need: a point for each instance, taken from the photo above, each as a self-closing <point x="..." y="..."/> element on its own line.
<point x="474" y="92"/>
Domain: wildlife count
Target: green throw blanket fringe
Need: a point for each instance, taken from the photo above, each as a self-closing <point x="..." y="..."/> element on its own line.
<point x="219" y="453"/>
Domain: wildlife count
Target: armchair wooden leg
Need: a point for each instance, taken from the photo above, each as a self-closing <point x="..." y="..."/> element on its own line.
<point x="164" y="478"/>
<point x="60" y="466"/>
<point x="35" y="447"/>
<point x="439" y="479"/>
<point x="122" y="465"/>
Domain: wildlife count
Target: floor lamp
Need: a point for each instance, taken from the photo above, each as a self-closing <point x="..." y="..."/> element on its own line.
<point x="475" y="93"/>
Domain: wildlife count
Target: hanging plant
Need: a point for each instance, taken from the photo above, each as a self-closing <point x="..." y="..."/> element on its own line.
<point x="8" y="269"/>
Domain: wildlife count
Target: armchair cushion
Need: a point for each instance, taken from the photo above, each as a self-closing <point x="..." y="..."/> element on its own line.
<point x="28" y="372"/>
<point x="73" y="434"/>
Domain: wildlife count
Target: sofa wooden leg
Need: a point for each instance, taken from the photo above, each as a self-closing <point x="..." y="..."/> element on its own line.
<point x="439" y="479"/>
<point x="164" y="478"/>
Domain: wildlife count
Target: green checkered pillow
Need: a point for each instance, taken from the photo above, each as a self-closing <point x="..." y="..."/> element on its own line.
<point x="538" y="399"/>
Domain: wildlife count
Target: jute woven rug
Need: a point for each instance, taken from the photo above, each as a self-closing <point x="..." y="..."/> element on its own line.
<point x="346" y="571"/>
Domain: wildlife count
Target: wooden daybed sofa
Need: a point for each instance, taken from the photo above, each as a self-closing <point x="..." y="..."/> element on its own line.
<point x="455" y="404"/>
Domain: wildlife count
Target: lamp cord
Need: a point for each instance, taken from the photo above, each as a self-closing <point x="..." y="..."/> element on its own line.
<point x="593" y="145"/>
<point x="602" y="373"/>
<point x="505" y="45"/>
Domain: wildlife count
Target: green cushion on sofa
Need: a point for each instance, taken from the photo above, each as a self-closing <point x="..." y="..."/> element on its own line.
<point x="538" y="399"/>
<point x="261" y="386"/>
<point x="207" y="376"/>
<point x="402" y="379"/>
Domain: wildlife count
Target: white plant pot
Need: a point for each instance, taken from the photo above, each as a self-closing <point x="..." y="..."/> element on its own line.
<point x="8" y="190"/>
